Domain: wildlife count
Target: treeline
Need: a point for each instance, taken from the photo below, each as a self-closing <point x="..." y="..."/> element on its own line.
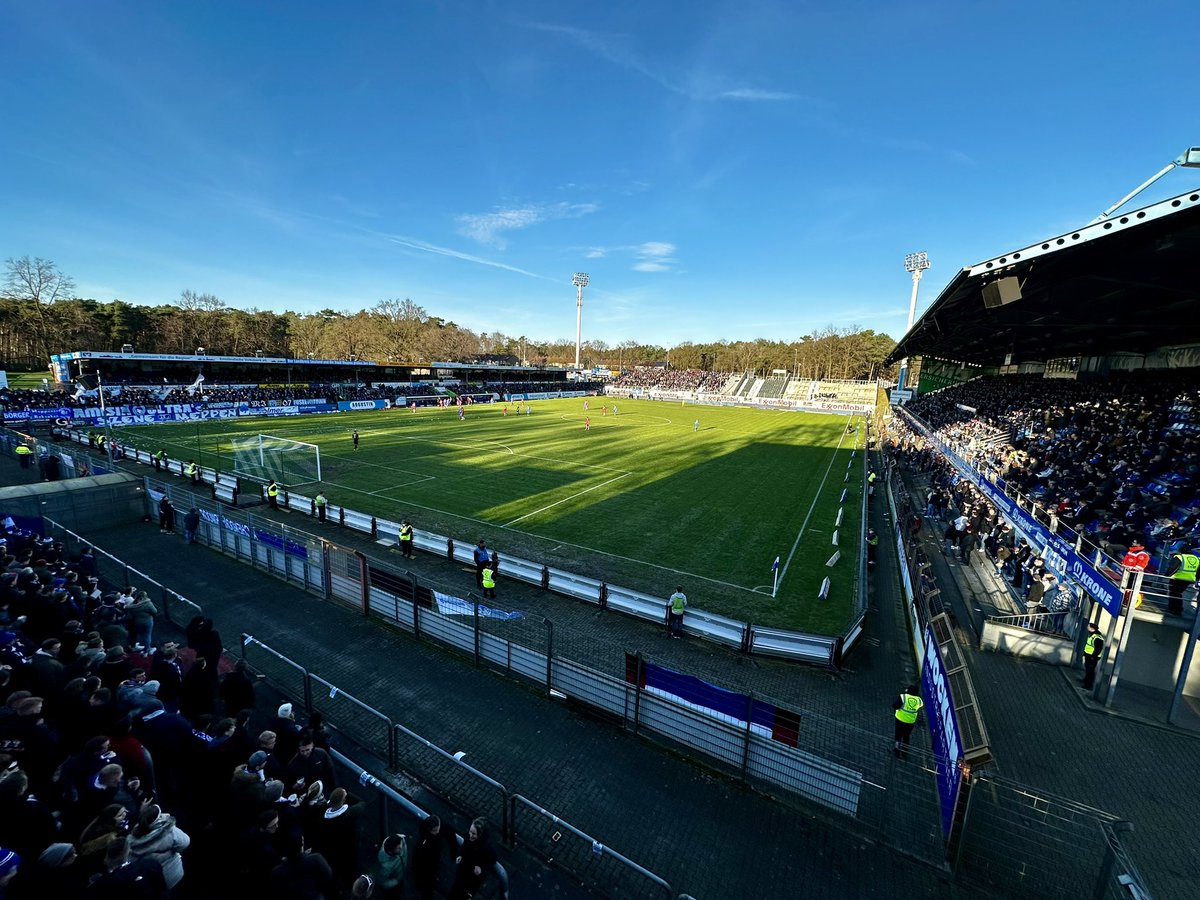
<point x="39" y="316"/>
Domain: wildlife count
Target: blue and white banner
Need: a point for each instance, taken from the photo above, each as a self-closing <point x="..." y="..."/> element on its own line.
<point x="456" y="606"/>
<point x="38" y="415"/>
<point x="1059" y="554"/>
<point x="943" y="727"/>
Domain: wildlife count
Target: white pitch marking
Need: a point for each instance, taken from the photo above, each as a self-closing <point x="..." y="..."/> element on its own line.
<point x="565" y="500"/>
<point x="812" y="506"/>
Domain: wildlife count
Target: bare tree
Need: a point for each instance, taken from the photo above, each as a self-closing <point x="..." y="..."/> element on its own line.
<point x="37" y="284"/>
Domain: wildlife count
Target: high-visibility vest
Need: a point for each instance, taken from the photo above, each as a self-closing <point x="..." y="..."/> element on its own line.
<point x="406" y="533"/>
<point x="191" y="469"/>
<point x="488" y="581"/>
<point x="1089" y="646"/>
<point x="22" y="450"/>
<point x="678" y="603"/>
<point x="871" y="478"/>
<point x="161" y="455"/>
<point x="320" y="500"/>
<point x="272" y="490"/>
<point x="873" y="539"/>
<point x="910" y="706"/>
<point x="1188" y="564"/>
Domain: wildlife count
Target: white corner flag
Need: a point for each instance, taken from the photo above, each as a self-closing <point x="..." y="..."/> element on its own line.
<point x="775" y="571"/>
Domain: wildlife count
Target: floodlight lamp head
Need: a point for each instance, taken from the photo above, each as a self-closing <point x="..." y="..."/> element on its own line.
<point x="916" y="262"/>
<point x="1189" y="158"/>
<point x="580" y="279"/>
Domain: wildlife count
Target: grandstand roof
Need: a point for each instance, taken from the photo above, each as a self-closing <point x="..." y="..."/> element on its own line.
<point x="1127" y="284"/>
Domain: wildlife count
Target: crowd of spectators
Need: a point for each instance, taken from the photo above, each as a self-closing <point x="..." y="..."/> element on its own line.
<point x="648" y="377"/>
<point x="130" y="769"/>
<point x="1117" y="457"/>
<point x="971" y="530"/>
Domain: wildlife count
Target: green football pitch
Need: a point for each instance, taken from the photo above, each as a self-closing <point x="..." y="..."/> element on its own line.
<point x="642" y="499"/>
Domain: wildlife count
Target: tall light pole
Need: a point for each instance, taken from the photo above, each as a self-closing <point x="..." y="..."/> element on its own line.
<point x="915" y="263"/>
<point x="580" y="281"/>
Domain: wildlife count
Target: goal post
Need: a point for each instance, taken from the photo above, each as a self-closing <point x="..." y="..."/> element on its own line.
<point x="265" y="457"/>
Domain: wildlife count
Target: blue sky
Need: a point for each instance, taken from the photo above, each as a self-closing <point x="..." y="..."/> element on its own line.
<point x="730" y="170"/>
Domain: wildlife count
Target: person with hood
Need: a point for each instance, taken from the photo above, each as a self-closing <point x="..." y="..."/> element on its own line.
<point x="156" y="837"/>
<point x="390" y="865"/>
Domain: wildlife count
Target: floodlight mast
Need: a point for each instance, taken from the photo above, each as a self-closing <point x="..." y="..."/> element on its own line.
<point x="580" y="281"/>
<point x="1188" y="159"/>
<point x="916" y="264"/>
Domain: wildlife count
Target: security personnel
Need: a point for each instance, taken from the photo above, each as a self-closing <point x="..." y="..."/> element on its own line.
<point x="489" y="581"/>
<point x="908" y="707"/>
<point x="24" y="455"/>
<point x="160" y="460"/>
<point x="406" y="539"/>
<point x="1093" y="649"/>
<point x="676" y="604"/>
<point x="872" y="545"/>
<point x="273" y="494"/>
<point x="1182" y="572"/>
<point x="320" y="502"/>
<point x="193" y="471"/>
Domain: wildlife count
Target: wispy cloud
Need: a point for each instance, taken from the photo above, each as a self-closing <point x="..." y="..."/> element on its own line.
<point x="423" y="246"/>
<point x="756" y="95"/>
<point x="489" y="228"/>
<point x="919" y="146"/>
<point x="654" y="256"/>
<point x="618" y="50"/>
<point x="596" y="253"/>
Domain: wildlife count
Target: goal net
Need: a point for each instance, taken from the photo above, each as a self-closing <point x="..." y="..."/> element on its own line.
<point x="265" y="457"/>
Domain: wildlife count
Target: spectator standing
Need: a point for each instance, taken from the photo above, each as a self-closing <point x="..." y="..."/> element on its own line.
<point x="166" y="516"/>
<point x="676" y="604"/>
<point x="406" y="539"/>
<point x="476" y="858"/>
<point x="157" y="838"/>
<point x="427" y="854"/>
<point x="191" y="524"/>
<point x="390" y="865"/>
<point x="141" y="614"/>
<point x="237" y="689"/>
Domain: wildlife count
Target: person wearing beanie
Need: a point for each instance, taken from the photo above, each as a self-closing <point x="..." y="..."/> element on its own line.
<point x="57" y="873"/>
<point x="247" y="790"/>
<point x="287" y="733"/>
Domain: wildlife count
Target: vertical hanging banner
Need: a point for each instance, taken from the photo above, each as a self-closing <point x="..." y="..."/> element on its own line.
<point x="943" y="727"/>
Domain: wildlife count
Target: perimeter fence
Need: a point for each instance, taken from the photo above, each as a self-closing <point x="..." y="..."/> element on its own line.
<point x="848" y="777"/>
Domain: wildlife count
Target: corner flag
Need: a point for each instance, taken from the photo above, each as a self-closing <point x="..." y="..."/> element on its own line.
<point x="775" y="565"/>
<point x="775" y="578"/>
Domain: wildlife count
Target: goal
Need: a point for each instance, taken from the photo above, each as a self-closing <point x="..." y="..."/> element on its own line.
<point x="264" y="457"/>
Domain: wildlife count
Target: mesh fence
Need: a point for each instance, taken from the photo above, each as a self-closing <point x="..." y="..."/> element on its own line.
<point x="1018" y="842"/>
<point x="596" y="865"/>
